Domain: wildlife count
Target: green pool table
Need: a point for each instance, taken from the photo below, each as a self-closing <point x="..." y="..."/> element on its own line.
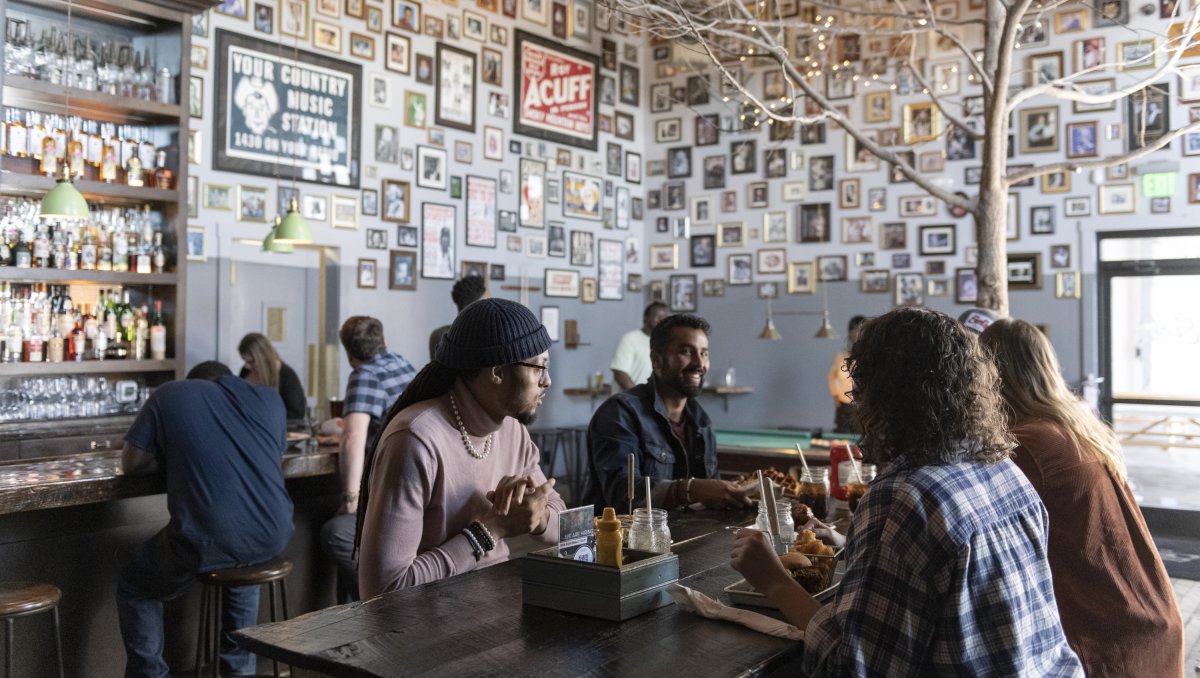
<point x="742" y="450"/>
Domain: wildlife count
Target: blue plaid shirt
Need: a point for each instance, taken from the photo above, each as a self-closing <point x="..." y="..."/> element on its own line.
<point x="946" y="574"/>
<point x="375" y="385"/>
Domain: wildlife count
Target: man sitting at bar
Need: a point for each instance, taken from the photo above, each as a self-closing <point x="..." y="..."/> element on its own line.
<point x="631" y="361"/>
<point x="946" y="562"/>
<point x="219" y="439"/>
<point x="454" y="472"/>
<point x="377" y="380"/>
<point x="660" y="423"/>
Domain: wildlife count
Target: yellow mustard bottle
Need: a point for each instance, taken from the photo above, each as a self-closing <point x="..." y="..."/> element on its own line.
<point x="608" y="538"/>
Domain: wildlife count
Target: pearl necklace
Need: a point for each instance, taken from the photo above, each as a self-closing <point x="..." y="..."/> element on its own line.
<point x="487" y="442"/>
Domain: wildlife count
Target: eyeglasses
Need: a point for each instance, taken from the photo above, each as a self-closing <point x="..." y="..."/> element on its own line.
<point x="545" y="370"/>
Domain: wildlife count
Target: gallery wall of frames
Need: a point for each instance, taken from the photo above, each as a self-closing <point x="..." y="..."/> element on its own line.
<point x="734" y="200"/>
<point x="427" y="141"/>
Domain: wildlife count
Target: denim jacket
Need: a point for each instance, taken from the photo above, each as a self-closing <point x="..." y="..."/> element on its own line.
<point x="635" y="421"/>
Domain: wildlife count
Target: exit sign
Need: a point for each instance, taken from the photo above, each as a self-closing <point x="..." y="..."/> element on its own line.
<point x="1158" y="184"/>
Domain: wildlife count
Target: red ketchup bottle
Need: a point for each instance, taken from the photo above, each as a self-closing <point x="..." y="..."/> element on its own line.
<point x="840" y="471"/>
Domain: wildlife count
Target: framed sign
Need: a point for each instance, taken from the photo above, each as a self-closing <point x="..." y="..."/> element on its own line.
<point x="533" y="193"/>
<point x="555" y="89"/>
<point x="294" y="116"/>
<point x="582" y="196"/>
<point x="455" y="105"/>
<point x="403" y="270"/>
<point x="561" y="282"/>
<point x="437" y="241"/>
<point x="481" y="211"/>
<point x="611" y="256"/>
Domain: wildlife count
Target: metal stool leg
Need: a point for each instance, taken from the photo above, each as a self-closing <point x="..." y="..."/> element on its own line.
<point x="200" y="630"/>
<point x="218" y="603"/>
<point x="57" y="640"/>
<point x="271" y="595"/>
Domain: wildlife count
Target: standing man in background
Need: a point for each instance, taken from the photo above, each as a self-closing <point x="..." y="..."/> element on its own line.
<point x="631" y="362"/>
<point x="377" y="380"/>
<point x="465" y="292"/>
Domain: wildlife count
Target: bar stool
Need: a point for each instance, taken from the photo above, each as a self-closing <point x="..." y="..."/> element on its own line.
<point x="546" y="440"/>
<point x="20" y="599"/>
<point x="270" y="574"/>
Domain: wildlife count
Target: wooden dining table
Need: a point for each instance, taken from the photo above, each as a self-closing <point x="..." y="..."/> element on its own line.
<point x="475" y="624"/>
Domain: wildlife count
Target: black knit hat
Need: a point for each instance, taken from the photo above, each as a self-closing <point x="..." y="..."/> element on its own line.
<point x="492" y="332"/>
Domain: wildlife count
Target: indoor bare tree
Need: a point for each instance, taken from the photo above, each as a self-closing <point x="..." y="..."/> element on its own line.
<point x="739" y="39"/>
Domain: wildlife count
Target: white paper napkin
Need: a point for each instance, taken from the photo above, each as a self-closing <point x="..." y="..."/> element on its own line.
<point x="694" y="601"/>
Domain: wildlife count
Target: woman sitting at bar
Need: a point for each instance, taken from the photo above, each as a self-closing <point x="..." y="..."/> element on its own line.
<point x="265" y="367"/>
<point x="946" y="569"/>
<point x="1115" y="598"/>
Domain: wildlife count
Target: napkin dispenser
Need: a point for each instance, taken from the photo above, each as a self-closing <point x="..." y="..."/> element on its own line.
<point x="613" y="593"/>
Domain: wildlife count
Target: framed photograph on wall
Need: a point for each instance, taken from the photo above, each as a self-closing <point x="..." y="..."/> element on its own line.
<point x="344" y="211"/>
<point x="966" y="286"/>
<point x="740" y="269"/>
<point x="664" y="256"/>
<point x="481" y="211"/>
<point x="582" y="196"/>
<point x="455" y="99"/>
<point x="938" y="240"/>
<point x="533" y="193"/>
<point x="1025" y="271"/>
<point x="403" y="268"/>
<point x="610" y="255"/>
<point x="1066" y="285"/>
<point x="437" y="241"/>
<point x="367" y="269"/>
<point x="561" y="282"/>
<point x="549" y="317"/>
<point x="396" y="201"/>
<point x="546" y="65"/>
<point x="909" y="289"/>
<point x="682" y="294"/>
<point x="802" y="277"/>
<point x="197" y="243"/>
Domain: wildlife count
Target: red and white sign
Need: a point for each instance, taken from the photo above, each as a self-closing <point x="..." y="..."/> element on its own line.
<point x="557" y="93"/>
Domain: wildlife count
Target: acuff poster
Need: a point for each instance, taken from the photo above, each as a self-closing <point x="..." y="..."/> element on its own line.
<point x="555" y="92"/>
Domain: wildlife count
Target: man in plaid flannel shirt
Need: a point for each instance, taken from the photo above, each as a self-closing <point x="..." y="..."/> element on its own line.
<point x="377" y="379"/>
<point x="946" y="567"/>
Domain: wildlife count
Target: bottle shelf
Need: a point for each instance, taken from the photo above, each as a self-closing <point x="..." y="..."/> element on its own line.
<point x="66" y="277"/>
<point x="85" y="367"/>
<point x="44" y="96"/>
<point x="12" y="183"/>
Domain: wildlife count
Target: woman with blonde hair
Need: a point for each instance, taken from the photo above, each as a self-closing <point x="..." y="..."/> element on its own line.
<point x="264" y="366"/>
<point x="1113" y="593"/>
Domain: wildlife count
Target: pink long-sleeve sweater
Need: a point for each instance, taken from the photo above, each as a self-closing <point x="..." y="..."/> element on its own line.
<point x="425" y="488"/>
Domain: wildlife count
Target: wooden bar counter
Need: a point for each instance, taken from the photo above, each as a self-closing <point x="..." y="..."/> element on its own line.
<point x="73" y="521"/>
<point x="475" y="624"/>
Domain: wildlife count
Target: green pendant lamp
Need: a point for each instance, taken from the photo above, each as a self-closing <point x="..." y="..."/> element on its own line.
<point x="270" y="244"/>
<point x="293" y="230"/>
<point x="64" y="201"/>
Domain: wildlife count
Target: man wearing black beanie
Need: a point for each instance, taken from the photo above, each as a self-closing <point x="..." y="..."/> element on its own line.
<point x="454" y="472"/>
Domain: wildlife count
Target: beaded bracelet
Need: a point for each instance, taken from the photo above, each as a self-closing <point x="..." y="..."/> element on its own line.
<point x="475" y="547"/>
<point x="484" y="534"/>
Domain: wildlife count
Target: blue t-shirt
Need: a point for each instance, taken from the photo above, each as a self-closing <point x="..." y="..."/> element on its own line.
<point x="221" y="445"/>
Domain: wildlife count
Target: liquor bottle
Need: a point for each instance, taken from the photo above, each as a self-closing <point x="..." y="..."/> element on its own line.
<point x="57" y="127"/>
<point x="103" y="253"/>
<point x="77" y="345"/>
<point x="164" y="86"/>
<point x="95" y="143"/>
<point x="71" y="256"/>
<point x="77" y="150"/>
<point x="160" y="257"/>
<point x="158" y="332"/>
<point x="22" y="255"/>
<point x="164" y="178"/>
<point x="41" y="248"/>
<point x="18" y="136"/>
<point x="146" y="150"/>
<point x="119" y="243"/>
<point x="87" y="250"/>
<point x="37" y="134"/>
<point x="13" y="337"/>
<point x="55" y="347"/>
<point x="126" y="317"/>
<point x="110" y="158"/>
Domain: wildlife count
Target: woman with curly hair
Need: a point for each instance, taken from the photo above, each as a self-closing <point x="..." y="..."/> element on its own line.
<point x="264" y="366"/>
<point x="1114" y="595"/>
<point x="946" y="569"/>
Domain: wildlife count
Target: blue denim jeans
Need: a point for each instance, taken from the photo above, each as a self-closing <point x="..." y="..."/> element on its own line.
<point x="164" y="568"/>
<point x="337" y="541"/>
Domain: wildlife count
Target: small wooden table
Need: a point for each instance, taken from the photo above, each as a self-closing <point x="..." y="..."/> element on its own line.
<point x="475" y="624"/>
